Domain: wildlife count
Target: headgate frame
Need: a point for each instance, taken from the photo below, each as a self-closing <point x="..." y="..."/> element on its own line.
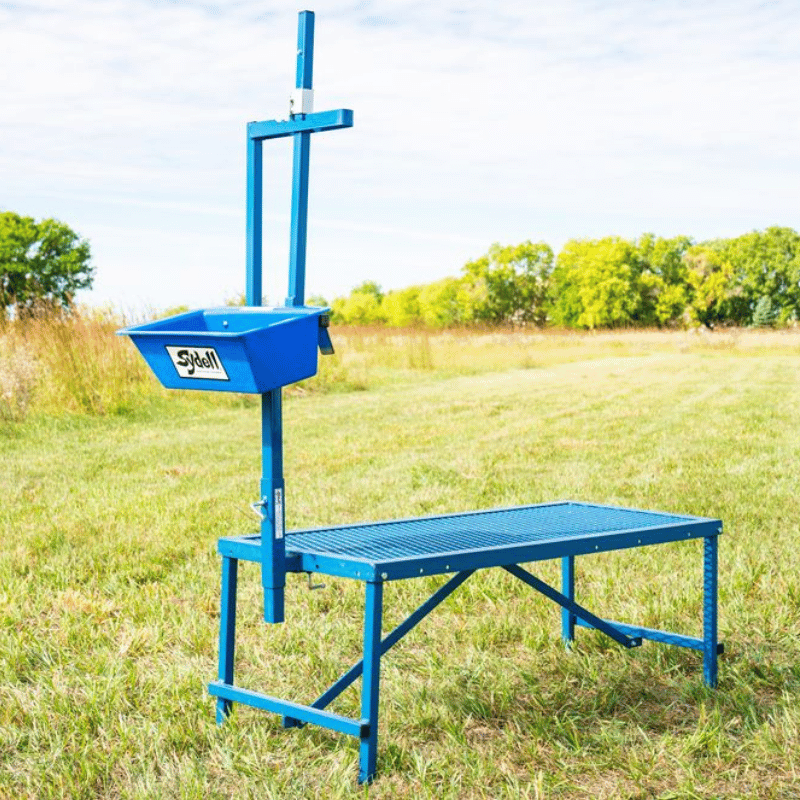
<point x="302" y="122"/>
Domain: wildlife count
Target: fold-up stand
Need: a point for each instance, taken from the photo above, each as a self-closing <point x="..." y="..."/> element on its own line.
<point x="256" y="349"/>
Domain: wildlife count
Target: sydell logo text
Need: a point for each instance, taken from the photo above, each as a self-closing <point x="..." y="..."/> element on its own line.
<point x="197" y="362"/>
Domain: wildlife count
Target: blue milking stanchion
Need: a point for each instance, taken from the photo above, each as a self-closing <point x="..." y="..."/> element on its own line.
<point x="259" y="350"/>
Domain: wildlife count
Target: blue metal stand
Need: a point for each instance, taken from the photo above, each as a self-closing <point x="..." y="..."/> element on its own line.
<point x="455" y="544"/>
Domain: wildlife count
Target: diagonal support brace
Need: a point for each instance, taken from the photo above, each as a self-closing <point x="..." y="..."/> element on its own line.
<point x="389" y="641"/>
<point x="571" y="606"/>
<point x="663" y="637"/>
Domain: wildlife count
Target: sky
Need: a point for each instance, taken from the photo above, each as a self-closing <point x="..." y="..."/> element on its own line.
<point x="475" y="122"/>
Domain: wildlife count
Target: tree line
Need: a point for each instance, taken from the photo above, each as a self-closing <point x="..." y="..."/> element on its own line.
<point x="753" y="279"/>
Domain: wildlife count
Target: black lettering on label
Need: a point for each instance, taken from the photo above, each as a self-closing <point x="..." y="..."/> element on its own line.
<point x="197" y="362"/>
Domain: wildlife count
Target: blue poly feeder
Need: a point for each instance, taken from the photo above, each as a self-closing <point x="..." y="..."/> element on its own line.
<point x="234" y="349"/>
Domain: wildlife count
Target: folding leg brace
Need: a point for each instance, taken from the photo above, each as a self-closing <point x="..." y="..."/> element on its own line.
<point x="708" y="645"/>
<point x="368" y="669"/>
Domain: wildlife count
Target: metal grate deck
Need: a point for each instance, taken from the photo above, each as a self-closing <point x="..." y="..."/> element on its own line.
<point x="429" y="545"/>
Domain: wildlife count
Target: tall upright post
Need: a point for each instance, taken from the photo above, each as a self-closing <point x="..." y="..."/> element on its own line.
<point x="272" y="553"/>
<point x="255" y="183"/>
<point x="302" y="150"/>
<point x="273" y="548"/>
<point x="302" y="123"/>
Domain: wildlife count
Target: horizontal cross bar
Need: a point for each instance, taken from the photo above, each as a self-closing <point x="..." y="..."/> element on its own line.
<point x="653" y="635"/>
<point x="571" y="606"/>
<point x="335" y="722"/>
<point x="302" y="123"/>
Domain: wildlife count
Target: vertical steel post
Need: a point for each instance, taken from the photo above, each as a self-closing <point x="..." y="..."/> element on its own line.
<point x="302" y="150"/>
<point x="273" y="549"/>
<point x="710" y="632"/>
<point x="273" y="571"/>
<point x="370" y="680"/>
<point x="568" y="619"/>
<point x="227" y="631"/>
<point x="253" y="292"/>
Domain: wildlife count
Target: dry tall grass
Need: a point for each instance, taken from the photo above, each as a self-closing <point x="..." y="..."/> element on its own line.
<point x="56" y="363"/>
<point x="69" y="363"/>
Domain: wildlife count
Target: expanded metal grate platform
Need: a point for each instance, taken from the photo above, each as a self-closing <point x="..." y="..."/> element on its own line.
<point x="432" y="545"/>
<point x="462" y="544"/>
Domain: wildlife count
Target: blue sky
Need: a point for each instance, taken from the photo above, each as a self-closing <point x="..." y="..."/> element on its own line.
<point x="475" y="122"/>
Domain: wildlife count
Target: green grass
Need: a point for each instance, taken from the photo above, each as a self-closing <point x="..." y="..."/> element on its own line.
<point x="109" y="579"/>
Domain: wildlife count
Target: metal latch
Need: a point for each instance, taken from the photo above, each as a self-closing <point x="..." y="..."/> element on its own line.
<point x="258" y="508"/>
<point x="325" y="343"/>
<point x="312" y="586"/>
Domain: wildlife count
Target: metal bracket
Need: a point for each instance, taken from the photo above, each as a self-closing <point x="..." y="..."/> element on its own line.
<point x="257" y="506"/>
<point x="301" y="101"/>
<point x="313" y="586"/>
<point x="324" y="338"/>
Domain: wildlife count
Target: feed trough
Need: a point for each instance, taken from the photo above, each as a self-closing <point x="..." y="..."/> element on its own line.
<point x="234" y="349"/>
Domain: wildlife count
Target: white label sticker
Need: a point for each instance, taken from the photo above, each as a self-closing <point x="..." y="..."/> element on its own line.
<point x="278" y="514"/>
<point x="197" y="362"/>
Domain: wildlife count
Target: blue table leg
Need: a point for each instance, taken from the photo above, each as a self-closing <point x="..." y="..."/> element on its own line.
<point x="710" y="633"/>
<point x="370" y="680"/>
<point x="227" y="631"/>
<point x="568" y="589"/>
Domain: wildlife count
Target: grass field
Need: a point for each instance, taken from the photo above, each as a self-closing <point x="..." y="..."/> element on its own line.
<point x="109" y="577"/>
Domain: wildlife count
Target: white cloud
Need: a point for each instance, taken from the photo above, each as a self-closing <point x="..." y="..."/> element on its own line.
<point x="474" y="122"/>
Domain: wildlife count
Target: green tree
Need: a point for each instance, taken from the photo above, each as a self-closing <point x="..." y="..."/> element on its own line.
<point x="40" y="262"/>
<point x="361" y="307"/>
<point x="765" y="313"/>
<point x="765" y="264"/>
<point x="401" y="307"/>
<point x="508" y="284"/>
<point x="439" y="303"/>
<point x="596" y="283"/>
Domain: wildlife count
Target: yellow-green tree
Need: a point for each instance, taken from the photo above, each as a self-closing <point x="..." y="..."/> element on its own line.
<point x="440" y="304"/>
<point x="361" y="307"/>
<point x="508" y="284"/>
<point x="596" y="283"/>
<point x="401" y="307"/>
